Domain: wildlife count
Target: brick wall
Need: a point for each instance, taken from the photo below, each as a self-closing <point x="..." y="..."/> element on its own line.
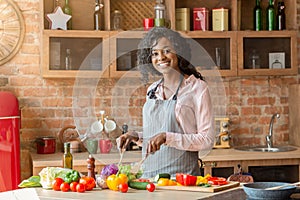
<point x="47" y="104"/>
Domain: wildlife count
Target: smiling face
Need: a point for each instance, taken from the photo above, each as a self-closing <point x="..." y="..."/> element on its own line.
<point x="164" y="58"/>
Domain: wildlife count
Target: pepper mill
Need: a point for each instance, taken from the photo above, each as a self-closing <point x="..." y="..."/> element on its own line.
<point x="91" y="166"/>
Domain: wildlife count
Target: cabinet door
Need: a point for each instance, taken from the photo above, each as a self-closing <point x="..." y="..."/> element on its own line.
<point x="88" y="54"/>
<point x="214" y="53"/>
<point x="123" y="53"/>
<point x="263" y="53"/>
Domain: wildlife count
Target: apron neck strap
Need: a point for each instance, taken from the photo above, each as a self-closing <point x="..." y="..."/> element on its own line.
<point x="180" y="82"/>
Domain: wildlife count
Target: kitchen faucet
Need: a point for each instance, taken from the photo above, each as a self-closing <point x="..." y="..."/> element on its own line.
<point x="269" y="136"/>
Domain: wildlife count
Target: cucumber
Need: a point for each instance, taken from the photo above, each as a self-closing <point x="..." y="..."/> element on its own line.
<point x="138" y="185"/>
<point x="163" y="175"/>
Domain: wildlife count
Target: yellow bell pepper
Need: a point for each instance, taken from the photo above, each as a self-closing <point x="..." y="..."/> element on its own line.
<point x="113" y="181"/>
<point x="166" y="182"/>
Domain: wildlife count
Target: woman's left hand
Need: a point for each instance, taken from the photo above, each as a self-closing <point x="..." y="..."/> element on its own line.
<point x="155" y="142"/>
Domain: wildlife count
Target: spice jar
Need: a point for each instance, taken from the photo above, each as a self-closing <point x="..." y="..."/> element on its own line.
<point x="116" y="20"/>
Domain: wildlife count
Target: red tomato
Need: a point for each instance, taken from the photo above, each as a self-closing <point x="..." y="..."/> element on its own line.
<point x="80" y="187"/>
<point x="123" y="187"/>
<point x="56" y="184"/>
<point x="73" y="186"/>
<point x="143" y="180"/>
<point x="89" y="182"/>
<point x="65" y="187"/>
<point x="150" y="187"/>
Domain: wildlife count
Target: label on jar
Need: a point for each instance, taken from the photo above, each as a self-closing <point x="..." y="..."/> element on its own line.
<point x="200" y="19"/>
<point x="220" y="19"/>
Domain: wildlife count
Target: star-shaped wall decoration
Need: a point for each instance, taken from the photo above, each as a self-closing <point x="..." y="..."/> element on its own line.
<point x="58" y="19"/>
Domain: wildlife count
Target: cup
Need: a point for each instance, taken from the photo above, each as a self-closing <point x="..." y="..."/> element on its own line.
<point x="148" y="23"/>
<point x="96" y="127"/>
<point x="105" y="145"/>
<point x="109" y="126"/>
<point x="92" y="146"/>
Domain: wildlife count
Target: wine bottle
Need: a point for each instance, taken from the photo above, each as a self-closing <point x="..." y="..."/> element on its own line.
<point x="67" y="10"/>
<point x="281" y="16"/>
<point x="99" y="15"/>
<point x="257" y="15"/>
<point x="271" y="16"/>
<point x="67" y="157"/>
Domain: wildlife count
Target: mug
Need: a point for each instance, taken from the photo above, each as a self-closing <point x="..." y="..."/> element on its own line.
<point x="110" y="126"/>
<point x="105" y="145"/>
<point x="96" y="127"/>
<point x="92" y="146"/>
<point x="148" y="23"/>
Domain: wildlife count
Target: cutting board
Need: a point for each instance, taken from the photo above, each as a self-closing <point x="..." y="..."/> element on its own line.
<point x="213" y="188"/>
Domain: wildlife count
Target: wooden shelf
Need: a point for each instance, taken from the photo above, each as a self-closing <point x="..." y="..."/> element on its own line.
<point x="114" y="56"/>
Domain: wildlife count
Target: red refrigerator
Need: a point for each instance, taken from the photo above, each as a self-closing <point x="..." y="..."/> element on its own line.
<point x="10" y="173"/>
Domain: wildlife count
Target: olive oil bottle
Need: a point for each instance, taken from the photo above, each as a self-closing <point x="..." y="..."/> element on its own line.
<point x="67" y="157"/>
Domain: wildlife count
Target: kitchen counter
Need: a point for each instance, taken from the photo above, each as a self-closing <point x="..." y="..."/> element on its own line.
<point x="216" y="158"/>
<point x="39" y="193"/>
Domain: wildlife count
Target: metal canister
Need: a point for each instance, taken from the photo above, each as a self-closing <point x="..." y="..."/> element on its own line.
<point x="220" y="19"/>
<point x="182" y="19"/>
<point x="200" y="19"/>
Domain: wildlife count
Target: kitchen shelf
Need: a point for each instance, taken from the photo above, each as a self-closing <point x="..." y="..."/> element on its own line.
<point x="264" y="43"/>
<point x="87" y="53"/>
<point x="118" y="59"/>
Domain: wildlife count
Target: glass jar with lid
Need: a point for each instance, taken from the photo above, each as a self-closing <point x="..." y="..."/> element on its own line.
<point x="116" y="20"/>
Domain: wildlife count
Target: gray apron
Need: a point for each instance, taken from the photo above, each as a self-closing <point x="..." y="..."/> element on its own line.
<point x="159" y="116"/>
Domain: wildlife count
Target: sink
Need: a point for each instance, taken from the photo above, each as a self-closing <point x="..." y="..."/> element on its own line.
<point x="266" y="149"/>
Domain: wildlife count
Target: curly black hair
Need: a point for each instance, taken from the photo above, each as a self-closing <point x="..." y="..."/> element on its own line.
<point x="180" y="45"/>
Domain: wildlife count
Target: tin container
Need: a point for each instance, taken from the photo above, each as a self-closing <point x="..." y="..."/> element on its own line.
<point x="220" y="19"/>
<point x="200" y="19"/>
<point x="182" y="19"/>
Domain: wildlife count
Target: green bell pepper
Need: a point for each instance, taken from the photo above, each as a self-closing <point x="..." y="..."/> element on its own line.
<point x="72" y="176"/>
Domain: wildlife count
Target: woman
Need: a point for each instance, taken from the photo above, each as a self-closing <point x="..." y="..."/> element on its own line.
<point x="177" y="115"/>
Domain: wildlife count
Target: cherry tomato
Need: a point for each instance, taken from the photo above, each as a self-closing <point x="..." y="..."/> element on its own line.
<point x="89" y="182"/>
<point x="73" y="186"/>
<point x="123" y="187"/>
<point x="150" y="187"/>
<point x="80" y="187"/>
<point x="56" y="184"/>
<point x="65" y="187"/>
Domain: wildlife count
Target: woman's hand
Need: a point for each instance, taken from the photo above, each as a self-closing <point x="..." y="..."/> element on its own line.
<point x="155" y="142"/>
<point x="124" y="140"/>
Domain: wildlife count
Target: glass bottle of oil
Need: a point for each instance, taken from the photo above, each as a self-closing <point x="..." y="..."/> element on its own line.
<point x="67" y="157"/>
<point x="68" y="10"/>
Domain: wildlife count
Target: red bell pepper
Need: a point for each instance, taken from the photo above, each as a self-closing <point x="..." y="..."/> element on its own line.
<point x="217" y="181"/>
<point x="186" y="179"/>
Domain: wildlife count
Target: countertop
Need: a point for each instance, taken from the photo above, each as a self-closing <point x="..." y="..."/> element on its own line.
<point x="42" y="194"/>
<point x="40" y="161"/>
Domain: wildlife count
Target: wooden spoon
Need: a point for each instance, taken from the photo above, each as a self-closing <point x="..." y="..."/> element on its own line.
<point x="282" y="186"/>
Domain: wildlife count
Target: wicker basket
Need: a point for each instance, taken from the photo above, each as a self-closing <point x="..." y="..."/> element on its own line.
<point x="133" y="11"/>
